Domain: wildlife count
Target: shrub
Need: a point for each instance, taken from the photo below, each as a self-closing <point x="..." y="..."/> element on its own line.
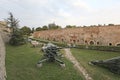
<point x="101" y="48"/>
<point x="91" y="47"/>
<point x="61" y="44"/>
<point x="17" y="39"/>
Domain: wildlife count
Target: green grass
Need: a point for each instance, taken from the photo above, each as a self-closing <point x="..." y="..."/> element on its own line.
<point x="21" y="65"/>
<point x="97" y="73"/>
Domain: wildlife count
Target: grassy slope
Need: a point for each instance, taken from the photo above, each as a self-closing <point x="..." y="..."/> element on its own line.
<point x="98" y="73"/>
<point x="21" y="65"/>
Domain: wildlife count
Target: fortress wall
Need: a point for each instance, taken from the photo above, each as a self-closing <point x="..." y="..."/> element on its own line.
<point x="2" y="60"/>
<point x="110" y="35"/>
<point x="4" y="38"/>
<point x="4" y="31"/>
<point x="106" y="35"/>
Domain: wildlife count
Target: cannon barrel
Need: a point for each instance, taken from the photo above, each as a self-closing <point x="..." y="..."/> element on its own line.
<point x="112" y="64"/>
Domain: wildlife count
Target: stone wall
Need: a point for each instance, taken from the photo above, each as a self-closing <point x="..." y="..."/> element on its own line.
<point x="2" y="60"/>
<point x="102" y="35"/>
<point x="4" y="31"/>
<point x="4" y="38"/>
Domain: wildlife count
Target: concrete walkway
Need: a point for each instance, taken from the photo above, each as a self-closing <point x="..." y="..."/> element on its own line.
<point x="77" y="65"/>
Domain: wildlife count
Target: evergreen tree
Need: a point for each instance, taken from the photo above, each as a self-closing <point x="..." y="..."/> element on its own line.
<point x="16" y="36"/>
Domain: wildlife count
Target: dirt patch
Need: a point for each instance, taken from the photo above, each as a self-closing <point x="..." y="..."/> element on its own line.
<point x="77" y="65"/>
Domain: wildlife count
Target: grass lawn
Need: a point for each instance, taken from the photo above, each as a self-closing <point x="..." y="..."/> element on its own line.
<point x="21" y="65"/>
<point x="97" y="73"/>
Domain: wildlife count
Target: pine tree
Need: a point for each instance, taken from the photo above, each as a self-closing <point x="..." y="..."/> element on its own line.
<point x="16" y="36"/>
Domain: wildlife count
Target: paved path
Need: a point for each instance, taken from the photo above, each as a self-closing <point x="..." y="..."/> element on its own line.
<point x="77" y="65"/>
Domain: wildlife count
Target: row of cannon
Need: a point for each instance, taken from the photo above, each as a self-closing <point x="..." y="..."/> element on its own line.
<point x="51" y="54"/>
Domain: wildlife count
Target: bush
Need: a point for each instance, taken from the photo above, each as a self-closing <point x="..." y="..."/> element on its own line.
<point x="61" y="44"/>
<point x="91" y="47"/>
<point x="17" y="39"/>
<point x="101" y="48"/>
<point x="81" y="46"/>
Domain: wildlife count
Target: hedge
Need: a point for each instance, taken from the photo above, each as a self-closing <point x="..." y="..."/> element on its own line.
<point x="90" y="47"/>
<point x="61" y="44"/>
<point x="101" y="48"/>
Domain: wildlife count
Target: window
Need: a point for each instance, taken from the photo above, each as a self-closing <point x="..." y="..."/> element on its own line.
<point x="47" y="38"/>
<point x="54" y="39"/>
<point x="110" y="44"/>
<point x="91" y="43"/>
<point x="91" y="35"/>
<point x="62" y="40"/>
<point x="118" y="44"/>
<point x="98" y="43"/>
<point x="74" y="41"/>
<point x="85" y="41"/>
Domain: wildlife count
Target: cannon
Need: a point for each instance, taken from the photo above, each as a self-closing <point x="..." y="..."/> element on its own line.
<point x="51" y="54"/>
<point x="112" y="64"/>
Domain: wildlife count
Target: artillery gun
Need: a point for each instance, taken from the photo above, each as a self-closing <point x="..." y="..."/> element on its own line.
<point x="51" y="54"/>
<point x="112" y="64"/>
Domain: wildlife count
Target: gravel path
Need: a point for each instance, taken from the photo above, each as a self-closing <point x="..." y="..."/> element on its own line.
<point x="77" y="65"/>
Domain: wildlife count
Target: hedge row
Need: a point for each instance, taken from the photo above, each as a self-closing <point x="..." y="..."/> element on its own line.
<point x="101" y="48"/>
<point x="61" y="44"/>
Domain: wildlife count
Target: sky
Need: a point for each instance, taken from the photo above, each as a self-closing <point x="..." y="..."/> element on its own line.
<point x="37" y="13"/>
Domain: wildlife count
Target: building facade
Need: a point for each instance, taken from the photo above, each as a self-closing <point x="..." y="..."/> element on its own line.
<point x="104" y="35"/>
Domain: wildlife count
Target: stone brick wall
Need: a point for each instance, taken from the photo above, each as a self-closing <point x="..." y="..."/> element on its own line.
<point x="2" y="60"/>
<point x="103" y="35"/>
<point x="4" y="37"/>
<point x="4" y="31"/>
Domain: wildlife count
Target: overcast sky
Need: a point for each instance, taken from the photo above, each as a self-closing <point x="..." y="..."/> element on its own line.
<point x="36" y="13"/>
